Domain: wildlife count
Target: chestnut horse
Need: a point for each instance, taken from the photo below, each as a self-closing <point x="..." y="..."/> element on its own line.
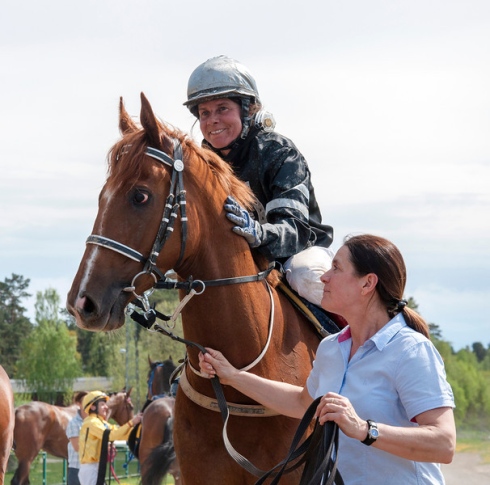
<point x="227" y="303"/>
<point x="7" y="421"/>
<point x="42" y="426"/>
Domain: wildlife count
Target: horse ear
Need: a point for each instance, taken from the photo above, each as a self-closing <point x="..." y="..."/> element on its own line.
<point x="150" y="362"/>
<point x="150" y="123"/>
<point x="129" y="392"/>
<point x="126" y="123"/>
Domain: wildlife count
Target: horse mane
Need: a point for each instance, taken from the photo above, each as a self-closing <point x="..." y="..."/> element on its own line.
<point x="125" y="157"/>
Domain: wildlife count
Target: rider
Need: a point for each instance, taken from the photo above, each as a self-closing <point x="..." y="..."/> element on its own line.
<point x="286" y="222"/>
<point x="96" y="432"/>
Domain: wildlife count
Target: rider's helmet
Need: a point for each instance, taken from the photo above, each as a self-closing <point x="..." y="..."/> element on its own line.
<point x="223" y="77"/>
<point x="92" y="398"/>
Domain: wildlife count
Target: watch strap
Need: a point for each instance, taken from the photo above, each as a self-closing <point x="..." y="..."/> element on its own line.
<point x="371" y="437"/>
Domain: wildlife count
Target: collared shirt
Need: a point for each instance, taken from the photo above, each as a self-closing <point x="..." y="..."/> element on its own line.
<point x="73" y="431"/>
<point x="91" y="433"/>
<point x="396" y="375"/>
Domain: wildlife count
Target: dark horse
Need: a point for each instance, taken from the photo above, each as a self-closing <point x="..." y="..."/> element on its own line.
<point x="6" y="421"/>
<point x="42" y="426"/>
<point x="154" y="438"/>
<point x="159" y="378"/>
<point x="227" y="302"/>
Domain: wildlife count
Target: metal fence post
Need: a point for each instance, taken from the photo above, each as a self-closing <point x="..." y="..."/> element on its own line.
<point x="45" y="481"/>
<point x="65" y="472"/>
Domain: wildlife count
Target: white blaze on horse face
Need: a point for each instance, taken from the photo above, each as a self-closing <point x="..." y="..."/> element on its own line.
<point x="92" y="260"/>
<point x="80" y="303"/>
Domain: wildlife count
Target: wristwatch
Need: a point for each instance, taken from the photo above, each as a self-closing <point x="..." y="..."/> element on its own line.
<point x="373" y="433"/>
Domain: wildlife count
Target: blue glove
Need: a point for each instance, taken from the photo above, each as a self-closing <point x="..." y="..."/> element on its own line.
<point x="245" y="226"/>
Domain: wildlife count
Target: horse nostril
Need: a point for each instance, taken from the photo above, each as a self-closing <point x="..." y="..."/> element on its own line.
<point x="85" y="304"/>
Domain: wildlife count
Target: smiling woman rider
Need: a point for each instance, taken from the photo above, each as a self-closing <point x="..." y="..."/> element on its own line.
<point x="285" y="225"/>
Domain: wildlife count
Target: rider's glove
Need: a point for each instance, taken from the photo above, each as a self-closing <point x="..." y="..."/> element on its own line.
<point x="245" y="226"/>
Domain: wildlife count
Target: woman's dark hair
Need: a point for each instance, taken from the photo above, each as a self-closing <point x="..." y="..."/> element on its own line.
<point x="374" y="254"/>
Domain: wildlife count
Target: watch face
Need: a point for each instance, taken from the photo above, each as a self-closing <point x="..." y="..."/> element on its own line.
<point x="374" y="433"/>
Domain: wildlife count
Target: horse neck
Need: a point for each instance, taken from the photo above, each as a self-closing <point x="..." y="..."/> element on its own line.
<point x="234" y="316"/>
<point x="224" y="314"/>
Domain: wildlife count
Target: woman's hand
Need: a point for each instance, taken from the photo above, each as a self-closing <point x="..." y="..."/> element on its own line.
<point x="213" y="363"/>
<point x="334" y="407"/>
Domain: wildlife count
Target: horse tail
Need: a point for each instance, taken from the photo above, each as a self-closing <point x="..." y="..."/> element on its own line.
<point x="157" y="464"/>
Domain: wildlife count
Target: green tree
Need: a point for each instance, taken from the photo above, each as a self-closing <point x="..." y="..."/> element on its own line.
<point x="136" y="345"/>
<point x="435" y="331"/>
<point x="480" y="351"/>
<point x="49" y="361"/>
<point x="14" y="325"/>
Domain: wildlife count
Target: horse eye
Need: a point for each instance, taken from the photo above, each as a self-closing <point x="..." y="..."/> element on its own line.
<point x="140" y="198"/>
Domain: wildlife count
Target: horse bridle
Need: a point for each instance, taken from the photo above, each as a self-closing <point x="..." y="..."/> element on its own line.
<point x="174" y="203"/>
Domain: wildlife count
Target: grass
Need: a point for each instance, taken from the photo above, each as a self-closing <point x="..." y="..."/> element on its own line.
<point x="50" y="471"/>
<point x="468" y="441"/>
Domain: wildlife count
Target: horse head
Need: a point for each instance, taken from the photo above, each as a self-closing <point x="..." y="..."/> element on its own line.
<point x="121" y="409"/>
<point x="158" y="180"/>
<point x="159" y="377"/>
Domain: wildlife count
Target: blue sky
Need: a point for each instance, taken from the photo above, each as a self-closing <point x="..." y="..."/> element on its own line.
<point x="387" y="100"/>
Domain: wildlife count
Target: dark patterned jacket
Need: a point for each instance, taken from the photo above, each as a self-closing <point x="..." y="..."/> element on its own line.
<point x="286" y="205"/>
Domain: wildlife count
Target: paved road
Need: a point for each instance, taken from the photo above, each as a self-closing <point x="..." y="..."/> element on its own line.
<point x="466" y="469"/>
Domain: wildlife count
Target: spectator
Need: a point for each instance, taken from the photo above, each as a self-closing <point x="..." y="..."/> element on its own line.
<point x="72" y="433"/>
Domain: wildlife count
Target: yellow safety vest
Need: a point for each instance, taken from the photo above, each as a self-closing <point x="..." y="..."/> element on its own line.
<point x="91" y="433"/>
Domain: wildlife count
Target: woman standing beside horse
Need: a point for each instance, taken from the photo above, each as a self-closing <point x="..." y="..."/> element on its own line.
<point x="7" y="421"/>
<point x="381" y="378"/>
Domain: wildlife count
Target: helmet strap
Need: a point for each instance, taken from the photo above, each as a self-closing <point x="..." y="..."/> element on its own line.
<point x="246" y="118"/>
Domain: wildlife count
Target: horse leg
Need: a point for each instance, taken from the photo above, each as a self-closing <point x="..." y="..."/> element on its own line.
<point x="21" y="475"/>
<point x="174" y="470"/>
<point x="26" y="453"/>
<point x="3" y="466"/>
<point x="4" y="458"/>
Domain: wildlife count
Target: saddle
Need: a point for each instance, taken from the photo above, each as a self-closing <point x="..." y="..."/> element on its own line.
<point x="133" y="441"/>
<point x="325" y="323"/>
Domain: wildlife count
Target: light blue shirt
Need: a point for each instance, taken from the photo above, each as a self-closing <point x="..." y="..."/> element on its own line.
<point x="396" y="375"/>
<point x="73" y="431"/>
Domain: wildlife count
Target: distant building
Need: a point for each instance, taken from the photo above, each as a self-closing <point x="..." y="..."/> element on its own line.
<point x="80" y="384"/>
